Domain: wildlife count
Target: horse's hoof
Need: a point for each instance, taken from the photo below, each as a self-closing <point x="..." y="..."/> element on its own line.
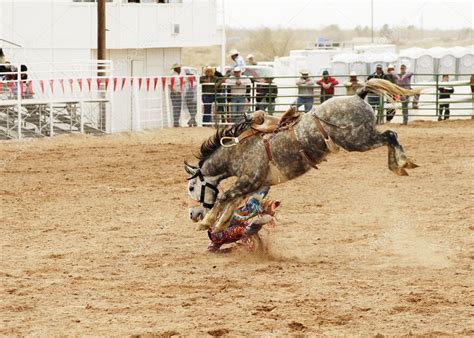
<point x="410" y="164"/>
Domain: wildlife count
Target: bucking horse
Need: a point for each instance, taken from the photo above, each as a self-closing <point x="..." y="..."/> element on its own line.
<point x="269" y="153"/>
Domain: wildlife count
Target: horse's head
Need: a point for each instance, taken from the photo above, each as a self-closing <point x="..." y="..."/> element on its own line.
<point x="202" y="191"/>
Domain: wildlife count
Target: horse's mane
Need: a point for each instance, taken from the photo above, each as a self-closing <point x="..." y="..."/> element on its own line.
<point x="214" y="142"/>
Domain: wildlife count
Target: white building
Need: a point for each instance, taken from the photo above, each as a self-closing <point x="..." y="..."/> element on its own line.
<point x="141" y="37"/>
<point x="144" y="38"/>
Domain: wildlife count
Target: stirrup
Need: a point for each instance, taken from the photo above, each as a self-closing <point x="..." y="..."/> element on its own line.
<point x="228" y="141"/>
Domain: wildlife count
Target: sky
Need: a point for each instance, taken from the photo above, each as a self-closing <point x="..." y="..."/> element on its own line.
<point x="348" y="14"/>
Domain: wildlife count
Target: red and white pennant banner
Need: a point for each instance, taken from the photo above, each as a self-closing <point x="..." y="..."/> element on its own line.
<point x="151" y="84"/>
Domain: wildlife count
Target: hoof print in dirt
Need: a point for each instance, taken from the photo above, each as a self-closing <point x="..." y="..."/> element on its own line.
<point x="295" y="326"/>
<point x="218" y="332"/>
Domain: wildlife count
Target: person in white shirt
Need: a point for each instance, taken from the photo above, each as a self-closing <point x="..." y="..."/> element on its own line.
<point x="175" y="94"/>
<point x="239" y="88"/>
<point x="238" y="60"/>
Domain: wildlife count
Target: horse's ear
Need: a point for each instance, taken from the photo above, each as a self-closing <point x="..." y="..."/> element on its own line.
<point x="191" y="170"/>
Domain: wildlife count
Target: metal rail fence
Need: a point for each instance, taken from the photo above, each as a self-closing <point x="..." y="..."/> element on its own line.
<point x="276" y="95"/>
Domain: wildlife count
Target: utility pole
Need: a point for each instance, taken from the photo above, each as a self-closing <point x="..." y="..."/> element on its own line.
<point x="223" y="40"/>
<point x="101" y="38"/>
<point x="372" y="17"/>
<point x="101" y="56"/>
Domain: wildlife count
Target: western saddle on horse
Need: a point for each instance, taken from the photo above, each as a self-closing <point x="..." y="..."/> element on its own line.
<point x="268" y="126"/>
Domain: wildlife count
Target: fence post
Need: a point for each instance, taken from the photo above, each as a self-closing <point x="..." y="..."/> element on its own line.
<point x="437" y="95"/>
<point x="18" y="97"/>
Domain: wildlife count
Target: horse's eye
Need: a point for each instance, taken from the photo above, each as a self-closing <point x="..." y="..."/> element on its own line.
<point x="191" y="188"/>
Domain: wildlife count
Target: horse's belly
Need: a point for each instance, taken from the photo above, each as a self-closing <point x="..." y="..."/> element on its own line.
<point x="275" y="176"/>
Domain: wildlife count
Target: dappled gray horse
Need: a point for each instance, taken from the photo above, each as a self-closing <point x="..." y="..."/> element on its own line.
<point x="346" y="122"/>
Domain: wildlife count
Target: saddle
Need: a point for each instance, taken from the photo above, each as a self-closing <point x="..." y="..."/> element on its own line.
<point x="261" y="123"/>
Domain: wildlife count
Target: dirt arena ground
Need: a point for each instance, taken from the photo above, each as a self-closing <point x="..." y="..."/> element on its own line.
<point x="95" y="240"/>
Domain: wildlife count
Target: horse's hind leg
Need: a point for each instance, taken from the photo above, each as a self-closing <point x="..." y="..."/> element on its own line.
<point x="397" y="158"/>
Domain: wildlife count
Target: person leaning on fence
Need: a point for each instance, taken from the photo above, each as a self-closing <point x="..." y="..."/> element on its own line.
<point x="404" y="80"/>
<point x="445" y="93"/>
<point x="305" y="91"/>
<point x="238" y="60"/>
<point x="374" y="100"/>
<point x="175" y="94"/>
<point x="327" y="84"/>
<point x="391" y="76"/>
<point x="208" y="83"/>
<point x="239" y="89"/>
<point x="267" y="92"/>
<point x="353" y="84"/>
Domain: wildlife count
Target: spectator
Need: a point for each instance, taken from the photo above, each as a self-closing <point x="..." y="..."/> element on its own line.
<point x="251" y="60"/>
<point x="374" y="100"/>
<point x="267" y="93"/>
<point x="175" y="94"/>
<point x="305" y="91"/>
<point x="2" y="63"/>
<point x="238" y="60"/>
<point x="353" y="84"/>
<point x="208" y="82"/>
<point x="190" y="97"/>
<point x="239" y="89"/>
<point x="391" y="76"/>
<point x="327" y="84"/>
<point x="445" y="93"/>
<point x="404" y="80"/>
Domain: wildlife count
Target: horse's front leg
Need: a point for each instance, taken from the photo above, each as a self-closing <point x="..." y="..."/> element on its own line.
<point x="229" y="201"/>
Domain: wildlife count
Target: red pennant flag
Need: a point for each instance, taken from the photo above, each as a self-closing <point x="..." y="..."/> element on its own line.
<point x="79" y="82"/>
<point x="155" y="81"/>
<point x="140" y="80"/>
<point x="163" y="82"/>
<point x="147" y="84"/>
<point x="71" y="85"/>
<point x="22" y="89"/>
<point x="191" y="81"/>
<point x="98" y="83"/>
<point x="42" y="86"/>
<point x="61" y="81"/>
<point x="10" y="86"/>
<point x="181" y="82"/>
<point x="107" y="83"/>
<point x="51" y="85"/>
<point x="115" y="84"/>
<point x="172" y="83"/>
<point x="30" y="87"/>
<point x="123" y="82"/>
<point x="89" y="82"/>
<point x="131" y="82"/>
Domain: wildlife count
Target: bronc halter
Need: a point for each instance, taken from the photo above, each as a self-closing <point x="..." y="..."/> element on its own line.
<point x="204" y="185"/>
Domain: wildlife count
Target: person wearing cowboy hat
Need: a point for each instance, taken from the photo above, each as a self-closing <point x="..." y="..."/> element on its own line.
<point x="305" y="91"/>
<point x="208" y="82"/>
<point x="175" y="94"/>
<point x="353" y="84"/>
<point x="238" y="60"/>
<point x="251" y="60"/>
<point x="239" y="90"/>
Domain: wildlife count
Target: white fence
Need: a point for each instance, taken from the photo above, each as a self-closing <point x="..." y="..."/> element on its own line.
<point x="47" y="99"/>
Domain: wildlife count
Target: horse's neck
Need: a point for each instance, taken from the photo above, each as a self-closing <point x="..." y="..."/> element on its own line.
<point x="217" y="164"/>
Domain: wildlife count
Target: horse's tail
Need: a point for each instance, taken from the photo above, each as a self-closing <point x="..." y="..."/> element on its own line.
<point x="386" y="88"/>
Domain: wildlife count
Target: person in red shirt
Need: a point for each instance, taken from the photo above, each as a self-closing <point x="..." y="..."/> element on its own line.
<point x="327" y="84"/>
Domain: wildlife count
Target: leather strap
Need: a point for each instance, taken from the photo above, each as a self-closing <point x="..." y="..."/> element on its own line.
<point x="301" y="150"/>
<point x="321" y="127"/>
<point x="266" y="144"/>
